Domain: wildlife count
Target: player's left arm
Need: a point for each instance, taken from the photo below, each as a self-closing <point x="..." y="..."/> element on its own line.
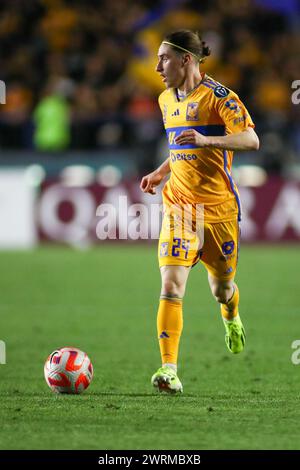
<point x="240" y="133"/>
<point x="245" y="140"/>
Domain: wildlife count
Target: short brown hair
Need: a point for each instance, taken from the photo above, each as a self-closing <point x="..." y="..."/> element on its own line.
<point x="189" y="40"/>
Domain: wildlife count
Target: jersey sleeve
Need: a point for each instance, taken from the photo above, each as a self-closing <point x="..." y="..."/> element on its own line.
<point x="233" y="113"/>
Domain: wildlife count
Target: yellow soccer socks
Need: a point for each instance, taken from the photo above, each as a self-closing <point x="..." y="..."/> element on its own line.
<point x="235" y="336"/>
<point x="169" y="328"/>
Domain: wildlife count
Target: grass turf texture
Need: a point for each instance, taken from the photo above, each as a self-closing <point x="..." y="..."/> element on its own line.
<point x="104" y="301"/>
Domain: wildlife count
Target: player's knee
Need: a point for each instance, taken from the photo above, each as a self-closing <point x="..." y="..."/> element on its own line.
<point x="221" y="292"/>
<point x="172" y="288"/>
<point x="222" y="299"/>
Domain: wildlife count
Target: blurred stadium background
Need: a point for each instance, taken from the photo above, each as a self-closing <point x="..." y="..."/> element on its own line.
<point x="81" y="122"/>
<point x="80" y="126"/>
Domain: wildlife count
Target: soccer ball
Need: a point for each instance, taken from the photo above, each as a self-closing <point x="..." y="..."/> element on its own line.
<point x="68" y="370"/>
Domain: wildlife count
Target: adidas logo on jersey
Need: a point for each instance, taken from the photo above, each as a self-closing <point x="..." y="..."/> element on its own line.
<point x="176" y="113"/>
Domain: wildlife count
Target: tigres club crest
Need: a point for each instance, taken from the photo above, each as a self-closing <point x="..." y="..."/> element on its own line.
<point x="164" y="248"/>
<point x="192" y="112"/>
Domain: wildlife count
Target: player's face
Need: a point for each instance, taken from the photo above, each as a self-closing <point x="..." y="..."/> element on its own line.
<point x="170" y="66"/>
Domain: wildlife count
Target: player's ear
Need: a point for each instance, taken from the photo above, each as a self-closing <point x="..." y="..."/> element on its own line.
<point x="186" y="58"/>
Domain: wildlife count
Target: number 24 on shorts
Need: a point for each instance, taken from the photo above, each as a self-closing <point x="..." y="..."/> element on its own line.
<point x="180" y="243"/>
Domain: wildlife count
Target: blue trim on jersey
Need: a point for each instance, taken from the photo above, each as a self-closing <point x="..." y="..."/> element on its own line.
<point x="232" y="185"/>
<point x="209" y="130"/>
<point x="212" y="87"/>
<point x="211" y="81"/>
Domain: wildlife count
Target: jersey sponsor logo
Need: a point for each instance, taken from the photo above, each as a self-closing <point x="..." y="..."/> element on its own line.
<point x="237" y="121"/>
<point x="176" y="113"/>
<point x="220" y="91"/>
<point x="182" y="156"/>
<point x="192" y="112"/>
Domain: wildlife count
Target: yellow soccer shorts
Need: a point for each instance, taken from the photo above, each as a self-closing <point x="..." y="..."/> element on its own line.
<point x="216" y="245"/>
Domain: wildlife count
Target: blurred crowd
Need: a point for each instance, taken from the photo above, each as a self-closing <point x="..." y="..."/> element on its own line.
<point x="79" y="74"/>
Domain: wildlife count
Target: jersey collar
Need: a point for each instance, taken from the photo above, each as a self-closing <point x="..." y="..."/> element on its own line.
<point x="175" y="92"/>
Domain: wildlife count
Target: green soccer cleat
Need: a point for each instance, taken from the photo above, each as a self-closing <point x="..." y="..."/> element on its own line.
<point x="235" y="336"/>
<point x="166" y="380"/>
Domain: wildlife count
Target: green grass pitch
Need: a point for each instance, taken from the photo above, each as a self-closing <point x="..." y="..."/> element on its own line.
<point x="104" y="301"/>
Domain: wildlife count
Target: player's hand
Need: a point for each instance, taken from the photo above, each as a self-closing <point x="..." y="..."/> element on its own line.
<point x="149" y="182"/>
<point x="193" y="137"/>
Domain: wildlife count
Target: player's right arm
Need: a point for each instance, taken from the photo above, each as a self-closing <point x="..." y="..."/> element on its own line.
<point x="150" y="181"/>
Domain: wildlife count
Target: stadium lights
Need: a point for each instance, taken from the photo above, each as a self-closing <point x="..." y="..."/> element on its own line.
<point x="77" y="175"/>
<point x="249" y="175"/>
<point x="35" y="175"/>
<point x="109" y="176"/>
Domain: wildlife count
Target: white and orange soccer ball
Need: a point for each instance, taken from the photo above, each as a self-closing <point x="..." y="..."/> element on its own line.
<point x="68" y="370"/>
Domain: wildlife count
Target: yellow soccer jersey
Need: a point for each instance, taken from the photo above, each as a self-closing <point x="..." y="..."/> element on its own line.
<point x="203" y="175"/>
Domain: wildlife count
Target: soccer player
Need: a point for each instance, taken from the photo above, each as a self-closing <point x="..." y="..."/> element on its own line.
<point x="205" y="122"/>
